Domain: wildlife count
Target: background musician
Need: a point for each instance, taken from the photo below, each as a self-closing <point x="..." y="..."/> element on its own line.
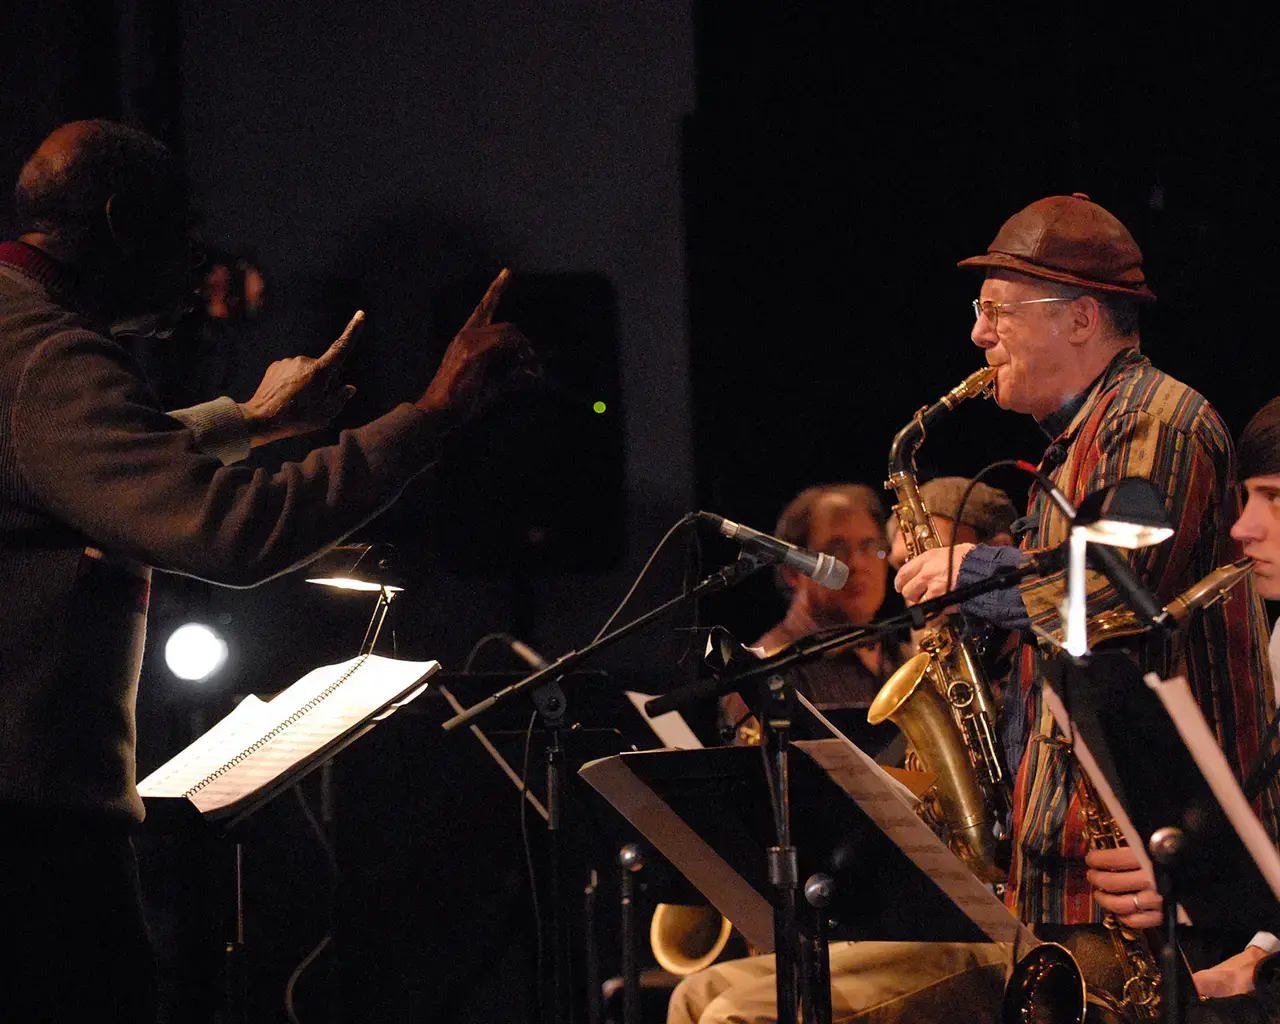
<point x="846" y="521"/>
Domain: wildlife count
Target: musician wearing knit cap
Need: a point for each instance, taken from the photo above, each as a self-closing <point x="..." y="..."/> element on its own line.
<point x="986" y="517"/>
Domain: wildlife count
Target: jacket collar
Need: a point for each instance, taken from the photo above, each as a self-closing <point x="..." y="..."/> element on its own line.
<point x="1076" y="411"/>
<point x="60" y="282"/>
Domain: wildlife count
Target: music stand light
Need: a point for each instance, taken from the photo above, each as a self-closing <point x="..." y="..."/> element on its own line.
<point x="362" y="567"/>
<point x="1127" y="514"/>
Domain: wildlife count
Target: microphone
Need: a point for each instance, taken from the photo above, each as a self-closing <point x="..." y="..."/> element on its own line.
<point x="1054" y="456"/>
<point x="823" y="569"/>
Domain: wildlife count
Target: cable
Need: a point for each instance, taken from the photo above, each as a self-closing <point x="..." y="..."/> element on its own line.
<point x="693" y="572"/>
<point x="686" y="520"/>
<point x="479" y="644"/>
<point x="297" y="973"/>
<point x="964" y="500"/>
<point x="332" y="858"/>
<point x="528" y="859"/>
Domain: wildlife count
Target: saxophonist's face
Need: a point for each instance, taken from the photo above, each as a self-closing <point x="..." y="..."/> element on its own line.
<point x="1258" y="529"/>
<point x="1029" y="341"/>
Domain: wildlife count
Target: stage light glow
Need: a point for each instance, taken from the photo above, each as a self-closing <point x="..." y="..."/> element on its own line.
<point x="598" y="407"/>
<point x="194" y="652"/>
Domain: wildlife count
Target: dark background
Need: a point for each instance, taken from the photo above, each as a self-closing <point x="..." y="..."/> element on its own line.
<point x="736" y="226"/>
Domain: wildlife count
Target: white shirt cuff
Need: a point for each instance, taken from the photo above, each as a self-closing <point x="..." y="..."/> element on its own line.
<point x="1266" y="941"/>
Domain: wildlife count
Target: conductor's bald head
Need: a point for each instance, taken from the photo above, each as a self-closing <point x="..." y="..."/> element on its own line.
<point x="110" y="201"/>
<point x="81" y="166"/>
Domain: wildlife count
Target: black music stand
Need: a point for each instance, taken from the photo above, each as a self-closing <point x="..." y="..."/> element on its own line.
<point x="1160" y="789"/>
<point x="707" y="812"/>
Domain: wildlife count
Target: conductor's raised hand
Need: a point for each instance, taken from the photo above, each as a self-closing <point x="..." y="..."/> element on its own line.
<point x="299" y="394"/>
<point x="482" y="359"/>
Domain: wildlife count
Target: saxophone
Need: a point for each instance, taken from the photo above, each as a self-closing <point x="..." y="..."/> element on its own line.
<point x="940" y="698"/>
<point x="1034" y="989"/>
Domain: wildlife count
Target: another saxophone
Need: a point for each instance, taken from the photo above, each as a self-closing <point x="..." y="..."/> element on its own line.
<point x="940" y="698"/>
<point x="1034" y="990"/>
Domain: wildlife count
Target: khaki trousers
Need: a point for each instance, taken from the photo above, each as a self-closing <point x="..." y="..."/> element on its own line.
<point x="871" y="983"/>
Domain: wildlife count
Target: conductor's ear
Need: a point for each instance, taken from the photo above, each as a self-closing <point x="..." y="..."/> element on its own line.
<point x="133" y="228"/>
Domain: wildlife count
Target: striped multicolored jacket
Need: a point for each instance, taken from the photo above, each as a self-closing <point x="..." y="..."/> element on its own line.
<point x="1136" y="421"/>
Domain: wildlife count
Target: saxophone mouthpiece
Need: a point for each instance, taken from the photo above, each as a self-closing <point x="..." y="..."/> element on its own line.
<point x="980" y="382"/>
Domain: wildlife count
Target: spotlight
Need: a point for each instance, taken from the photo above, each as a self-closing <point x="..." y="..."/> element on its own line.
<point x="194" y="652"/>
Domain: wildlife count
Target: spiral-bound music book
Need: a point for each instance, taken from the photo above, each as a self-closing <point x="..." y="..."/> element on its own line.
<point x="263" y="747"/>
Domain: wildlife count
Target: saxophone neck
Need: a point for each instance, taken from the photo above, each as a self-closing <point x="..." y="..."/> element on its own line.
<point x="1209" y="590"/>
<point x="902" y="451"/>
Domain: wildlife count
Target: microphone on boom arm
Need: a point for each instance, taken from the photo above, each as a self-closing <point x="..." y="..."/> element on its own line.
<point x="823" y="569"/>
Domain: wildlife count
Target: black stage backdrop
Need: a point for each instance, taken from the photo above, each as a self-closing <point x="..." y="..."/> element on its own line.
<point x="771" y="198"/>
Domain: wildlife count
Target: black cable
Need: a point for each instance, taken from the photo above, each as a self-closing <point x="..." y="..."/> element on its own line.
<point x="684" y="521"/>
<point x="528" y="859"/>
<point x="332" y="858"/>
<point x="488" y="638"/>
<point x="693" y="573"/>
<point x="964" y="500"/>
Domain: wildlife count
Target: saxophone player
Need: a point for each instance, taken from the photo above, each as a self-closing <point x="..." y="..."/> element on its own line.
<point x="1119" y="885"/>
<point x="1057" y="316"/>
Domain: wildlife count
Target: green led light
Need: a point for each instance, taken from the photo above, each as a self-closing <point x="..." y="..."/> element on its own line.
<point x="598" y="406"/>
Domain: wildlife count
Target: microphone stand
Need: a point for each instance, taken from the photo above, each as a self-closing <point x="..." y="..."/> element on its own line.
<point x="809" y="648"/>
<point x="791" y="976"/>
<point x="802" y="974"/>
<point x="552" y="708"/>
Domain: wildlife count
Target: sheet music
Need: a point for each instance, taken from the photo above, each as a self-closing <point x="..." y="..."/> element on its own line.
<point x="246" y="723"/>
<point x="878" y="795"/>
<point x="260" y="741"/>
<point x="670" y="728"/>
<point x="1178" y="700"/>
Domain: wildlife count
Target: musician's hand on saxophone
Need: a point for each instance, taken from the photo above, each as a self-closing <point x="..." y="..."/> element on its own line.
<point x="1121" y="886"/>
<point x="925" y="577"/>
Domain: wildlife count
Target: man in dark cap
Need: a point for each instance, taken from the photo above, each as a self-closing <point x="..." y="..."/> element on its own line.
<point x="97" y="485"/>
<point x="1057" y="317"/>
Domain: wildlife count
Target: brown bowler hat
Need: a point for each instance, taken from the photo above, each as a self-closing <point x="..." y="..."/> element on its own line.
<point x="1070" y="240"/>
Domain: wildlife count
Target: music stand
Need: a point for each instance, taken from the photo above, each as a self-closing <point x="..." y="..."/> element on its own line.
<point x="1224" y="872"/>
<point x="707" y="812"/>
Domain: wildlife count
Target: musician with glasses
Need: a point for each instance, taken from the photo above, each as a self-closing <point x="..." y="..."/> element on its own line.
<point x="846" y="521"/>
<point x="1058" y="317"/>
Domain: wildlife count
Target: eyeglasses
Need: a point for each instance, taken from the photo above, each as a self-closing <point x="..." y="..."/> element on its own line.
<point x="991" y="310"/>
<point x="871" y="547"/>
